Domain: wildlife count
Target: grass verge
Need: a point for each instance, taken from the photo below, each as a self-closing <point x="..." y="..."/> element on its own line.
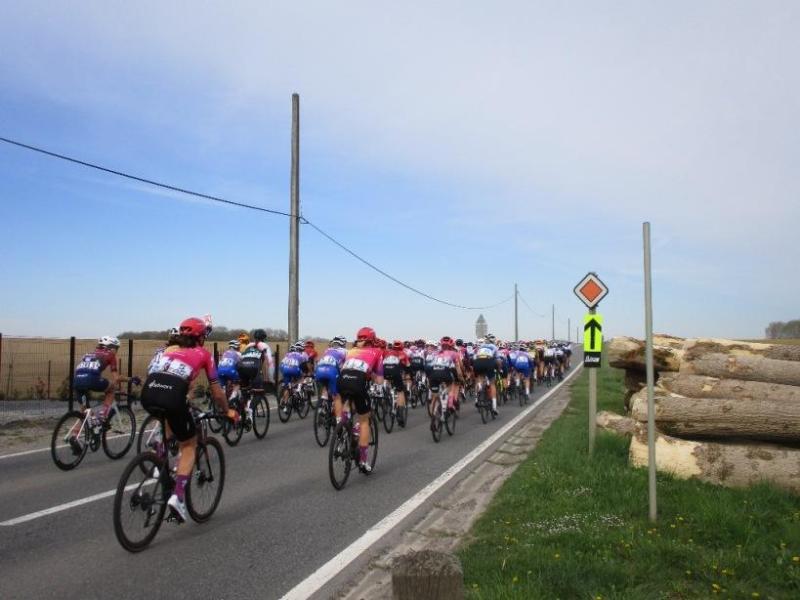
<point x="564" y="526"/>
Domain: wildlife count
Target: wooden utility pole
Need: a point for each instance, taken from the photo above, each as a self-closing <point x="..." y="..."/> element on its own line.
<point x="294" y="226"/>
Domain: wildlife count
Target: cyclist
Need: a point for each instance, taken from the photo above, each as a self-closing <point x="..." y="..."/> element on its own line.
<point x="311" y="353"/>
<point x="523" y="365"/>
<point x="485" y="366"/>
<point x="88" y="374"/>
<point x="256" y="363"/>
<point x="549" y="361"/>
<point x="446" y="370"/>
<point x="362" y="364"/>
<point x="567" y="354"/>
<point x="244" y="340"/>
<point x="327" y="371"/>
<point x="395" y="365"/>
<point x="228" y="372"/>
<point x="169" y="378"/>
<point x="293" y="367"/>
<point x="540" y="362"/>
<point x="560" y="357"/>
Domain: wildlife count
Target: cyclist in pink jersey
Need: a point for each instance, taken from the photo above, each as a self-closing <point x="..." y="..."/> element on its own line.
<point x="170" y="376"/>
<point x="363" y="363"/>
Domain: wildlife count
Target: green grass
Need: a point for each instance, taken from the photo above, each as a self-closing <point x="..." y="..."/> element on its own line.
<point x="566" y="526"/>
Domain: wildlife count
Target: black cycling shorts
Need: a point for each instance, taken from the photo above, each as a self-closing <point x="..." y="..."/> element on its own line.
<point x="394" y="375"/>
<point x="249" y="370"/>
<point x="441" y="376"/>
<point x="485" y="366"/>
<point x="353" y="387"/>
<point x="165" y="394"/>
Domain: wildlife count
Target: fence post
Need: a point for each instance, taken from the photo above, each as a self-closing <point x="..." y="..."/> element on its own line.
<point x="130" y="369"/>
<point x="71" y="371"/>
<point x="216" y="355"/>
<point x="277" y="360"/>
<point x="48" y="379"/>
<point x="1" y="352"/>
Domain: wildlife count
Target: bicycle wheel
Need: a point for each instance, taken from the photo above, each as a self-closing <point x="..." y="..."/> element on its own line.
<point x="304" y="404"/>
<point x="204" y="489"/>
<point x="119" y="433"/>
<point x="233" y="432"/>
<point x="402" y="415"/>
<point x="140" y="502"/>
<point x="215" y="425"/>
<point x="149" y="433"/>
<point x="436" y="422"/>
<point x="388" y="416"/>
<point x="322" y="422"/>
<point x="450" y="418"/>
<point x="69" y="444"/>
<point x="378" y="410"/>
<point x="285" y="409"/>
<point x="372" y="450"/>
<point x="260" y="406"/>
<point x="340" y="456"/>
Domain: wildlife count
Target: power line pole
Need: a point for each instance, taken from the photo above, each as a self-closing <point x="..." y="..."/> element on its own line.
<point x="294" y="226"/>
<point x="516" y="315"/>
<point x="569" y="327"/>
<point x="554" y="322"/>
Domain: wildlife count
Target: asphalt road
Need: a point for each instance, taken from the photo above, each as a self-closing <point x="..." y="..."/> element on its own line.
<point x="279" y="519"/>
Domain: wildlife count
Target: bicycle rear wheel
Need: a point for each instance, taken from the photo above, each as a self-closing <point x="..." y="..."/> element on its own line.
<point x="388" y="416"/>
<point x="304" y="404"/>
<point x="436" y="421"/>
<point x="340" y="456"/>
<point x="285" y="409"/>
<point x="204" y="490"/>
<point x="322" y="422"/>
<point x="119" y="433"/>
<point x="372" y="449"/>
<point x="68" y="446"/>
<point x="140" y="502"/>
<point x="450" y="418"/>
<point x="402" y="415"/>
<point x="260" y="406"/>
<point x="232" y="432"/>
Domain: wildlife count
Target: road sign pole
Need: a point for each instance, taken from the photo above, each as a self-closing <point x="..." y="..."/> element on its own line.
<point x="648" y="326"/>
<point x="592" y="402"/>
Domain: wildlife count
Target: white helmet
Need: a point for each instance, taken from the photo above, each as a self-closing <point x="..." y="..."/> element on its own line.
<point x="481" y="341"/>
<point x="431" y="343"/>
<point x="108" y="341"/>
<point x="339" y="341"/>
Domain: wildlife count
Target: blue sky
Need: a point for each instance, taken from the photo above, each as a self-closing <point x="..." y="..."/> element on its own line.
<point x="462" y="147"/>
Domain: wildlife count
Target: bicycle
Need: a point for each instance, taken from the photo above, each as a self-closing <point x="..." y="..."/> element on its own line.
<point x="442" y="414"/>
<point x="256" y="419"/>
<point x="299" y="401"/>
<point x="147" y="483"/>
<point x="78" y="431"/>
<point x="323" y="419"/>
<point x="343" y="451"/>
<point x="483" y="401"/>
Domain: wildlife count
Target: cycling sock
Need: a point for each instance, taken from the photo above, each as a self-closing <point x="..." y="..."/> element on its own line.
<point x="494" y="404"/>
<point x="362" y="453"/>
<point x="180" y="486"/>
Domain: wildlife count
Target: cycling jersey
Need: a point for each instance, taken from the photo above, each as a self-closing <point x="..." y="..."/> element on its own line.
<point x="359" y="366"/>
<point x="523" y="363"/>
<point x="227" y="369"/>
<point x="417" y="358"/>
<point x="90" y="368"/>
<point x="394" y="362"/>
<point x="292" y="365"/>
<point x="327" y="371"/>
<point x="253" y="357"/>
<point x="167" y="384"/>
<point x="485" y="361"/>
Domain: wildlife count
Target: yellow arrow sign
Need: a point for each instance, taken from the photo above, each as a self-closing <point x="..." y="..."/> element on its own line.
<point x="592" y="333"/>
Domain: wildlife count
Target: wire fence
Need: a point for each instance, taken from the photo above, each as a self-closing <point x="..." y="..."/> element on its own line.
<point x="36" y="373"/>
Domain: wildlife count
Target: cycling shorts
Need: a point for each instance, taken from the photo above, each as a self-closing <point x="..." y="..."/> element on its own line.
<point x="549" y="360"/>
<point x="290" y="373"/>
<point x="524" y="369"/>
<point x="89" y="382"/>
<point x="353" y="387"/>
<point x="165" y="394"/>
<point x="228" y="375"/>
<point x="328" y="375"/>
<point x="394" y="375"/>
<point x="249" y="370"/>
<point x="441" y="376"/>
<point x="485" y="366"/>
<point x="417" y="364"/>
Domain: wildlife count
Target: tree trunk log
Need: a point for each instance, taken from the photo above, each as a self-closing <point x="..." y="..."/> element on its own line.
<point x="429" y="575"/>
<point x="699" y="386"/>
<point x="761" y="419"/>
<point x="732" y="465"/>
<point x="628" y="353"/>
<point x="743" y="366"/>
<point x="703" y="346"/>
<point x="614" y="423"/>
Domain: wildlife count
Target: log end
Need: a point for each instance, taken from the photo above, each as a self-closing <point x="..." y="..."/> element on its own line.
<point x="427" y="574"/>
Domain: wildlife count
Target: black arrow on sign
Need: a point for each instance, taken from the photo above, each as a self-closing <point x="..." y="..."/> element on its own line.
<point x="594" y="327"/>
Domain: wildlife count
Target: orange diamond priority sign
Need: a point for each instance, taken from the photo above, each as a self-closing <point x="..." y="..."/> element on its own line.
<point x="591" y="290"/>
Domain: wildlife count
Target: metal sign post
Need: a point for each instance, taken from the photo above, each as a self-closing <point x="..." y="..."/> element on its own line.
<point x="590" y="290"/>
<point x="648" y="328"/>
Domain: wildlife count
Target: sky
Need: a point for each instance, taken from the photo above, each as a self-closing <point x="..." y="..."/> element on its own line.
<point x="462" y="147"/>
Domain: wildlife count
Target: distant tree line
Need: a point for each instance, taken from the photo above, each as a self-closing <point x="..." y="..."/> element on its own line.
<point x="779" y="330"/>
<point x="220" y="333"/>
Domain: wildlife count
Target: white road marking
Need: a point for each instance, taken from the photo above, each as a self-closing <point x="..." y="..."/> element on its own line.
<point x="61" y="507"/>
<point x="333" y="567"/>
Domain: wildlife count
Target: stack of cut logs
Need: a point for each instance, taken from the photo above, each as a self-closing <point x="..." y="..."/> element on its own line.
<point x="726" y="412"/>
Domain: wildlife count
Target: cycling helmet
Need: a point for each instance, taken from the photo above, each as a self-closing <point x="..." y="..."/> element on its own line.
<point x="365" y="334"/>
<point x="397" y="345"/>
<point x="459" y="342"/>
<point x="260" y="335"/>
<point x="297" y="347"/>
<point x="339" y="341"/>
<point x="233" y="344"/>
<point x="381" y="344"/>
<point x="244" y="338"/>
<point x="193" y="327"/>
<point x="490" y="337"/>
<point x="430" y="343"/>
<point x="173" y="331"/>
<point x="481" y="341"/>
<point x="108" y="341"/>
<point x="446" y="342"/>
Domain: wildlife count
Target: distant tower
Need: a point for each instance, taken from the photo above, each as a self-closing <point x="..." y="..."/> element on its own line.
<point x="481" y="328"/>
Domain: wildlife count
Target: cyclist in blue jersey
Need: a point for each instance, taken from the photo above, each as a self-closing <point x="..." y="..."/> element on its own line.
<point x="327" y="371"/>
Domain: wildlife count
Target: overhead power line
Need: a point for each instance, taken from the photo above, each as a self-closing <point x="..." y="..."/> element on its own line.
<point x="525" y="302"/>
<point x="251" y="207"/>
<point x="165" y="186"/>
